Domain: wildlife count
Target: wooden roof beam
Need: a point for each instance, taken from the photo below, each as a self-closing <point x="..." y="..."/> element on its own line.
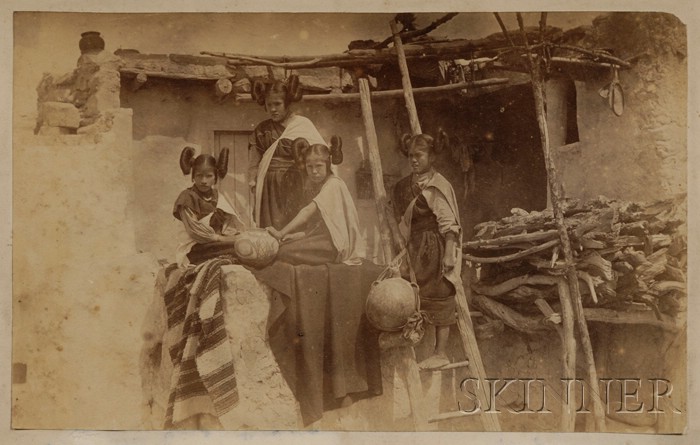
<point x="388" y="94"/>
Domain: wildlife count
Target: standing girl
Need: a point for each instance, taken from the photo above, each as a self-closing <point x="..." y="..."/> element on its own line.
<point x="210" y="222"/>
<point x="427" y="206"/>
<point x="277" y="183"/>
<point x="326" y="230"/>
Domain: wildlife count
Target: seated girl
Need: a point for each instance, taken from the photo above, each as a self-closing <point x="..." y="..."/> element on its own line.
<point x="210" y="222"/>
<point x="326" y="230"/>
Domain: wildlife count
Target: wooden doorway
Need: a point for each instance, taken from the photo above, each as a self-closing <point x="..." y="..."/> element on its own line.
<point x="234" y="187"/>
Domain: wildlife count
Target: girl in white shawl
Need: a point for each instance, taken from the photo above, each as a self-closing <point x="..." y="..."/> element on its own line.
<point x="326" y="230"/>
<point x="277" y="184"/>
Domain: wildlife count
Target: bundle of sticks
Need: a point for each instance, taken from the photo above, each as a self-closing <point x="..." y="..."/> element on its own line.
<point x="630" y="259"/>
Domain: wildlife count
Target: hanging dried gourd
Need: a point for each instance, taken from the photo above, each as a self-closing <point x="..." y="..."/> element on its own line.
<point x="614" y="94"/>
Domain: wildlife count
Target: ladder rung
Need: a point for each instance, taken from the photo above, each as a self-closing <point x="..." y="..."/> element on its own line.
<point x="452" y="415"/>
<point x="448" y="366"/>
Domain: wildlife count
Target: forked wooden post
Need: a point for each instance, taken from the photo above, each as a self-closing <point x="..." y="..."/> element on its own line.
<point x="406" y="81"/>
<point x="556" y="196"/>
<point x="409" y="369"/>
<point x="568" y="366"/>
<point x="375" y="165"/>
<point x="464" y="322"/>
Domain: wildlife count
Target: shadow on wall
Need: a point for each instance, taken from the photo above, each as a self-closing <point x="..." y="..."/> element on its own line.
<point x="495" y="162"/>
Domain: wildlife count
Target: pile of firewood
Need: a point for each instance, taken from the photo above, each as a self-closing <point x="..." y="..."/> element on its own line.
<point x="629" y="257"/>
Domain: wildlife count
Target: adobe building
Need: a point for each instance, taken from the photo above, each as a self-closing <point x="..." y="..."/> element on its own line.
<point x="128" y="115"/>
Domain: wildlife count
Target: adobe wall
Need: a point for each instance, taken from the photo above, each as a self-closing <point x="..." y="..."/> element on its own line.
<point x="169" y="115"/>
<point x="80" y="289"/>
<point x="508" y="173"/>
<point x="76" y="291"/>
<point x="640" y="155"/>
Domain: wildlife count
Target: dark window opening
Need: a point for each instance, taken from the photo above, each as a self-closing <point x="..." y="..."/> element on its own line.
<point x="571" y="114"/>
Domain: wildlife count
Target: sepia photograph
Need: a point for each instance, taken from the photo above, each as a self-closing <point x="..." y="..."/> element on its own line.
<point x="349" y="221"/>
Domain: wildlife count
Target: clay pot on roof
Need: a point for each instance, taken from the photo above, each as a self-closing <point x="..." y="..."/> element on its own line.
<point x="91" y="43"/>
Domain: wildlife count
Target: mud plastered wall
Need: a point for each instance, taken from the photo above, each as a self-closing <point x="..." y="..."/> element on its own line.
<point x="640" y="155"/>
<point x="80" y="289"/>
<point x="507" y="173"/>
<point x="171" y="114"/>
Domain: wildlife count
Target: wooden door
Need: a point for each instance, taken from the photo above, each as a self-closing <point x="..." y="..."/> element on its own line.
<point x="234" y="187"/>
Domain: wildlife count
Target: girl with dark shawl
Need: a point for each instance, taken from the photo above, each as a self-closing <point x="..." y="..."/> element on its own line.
<point x="427" y="206"/>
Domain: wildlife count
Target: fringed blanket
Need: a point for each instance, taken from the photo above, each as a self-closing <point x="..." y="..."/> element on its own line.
<point x="203" y="379"/>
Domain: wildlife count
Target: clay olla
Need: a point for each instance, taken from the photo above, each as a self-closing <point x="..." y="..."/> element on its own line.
<point x="256" y="247"/>
<point x="390" y="303"/>
<point x="91" y="42"/>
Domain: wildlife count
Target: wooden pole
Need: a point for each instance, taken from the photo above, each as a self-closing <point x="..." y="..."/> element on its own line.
<point x="568" y="350"/>
<point x="504" y="30"/>
<point x="418" y="32"/>
<point x="513" y="239"/>
<point x="513" y="256"/>
<point x="510" y="317"/>
<point x="543" y="26"/>
<point x="611" y="316"/>
<point x="471" y="349"/>
<point x="389" y="94"/>
<point x="464" y="321"/>
<point x="406" y="81"/>
<point x="223" y="87"/>
<point x="556" y="195"/>
<point x="138" y="81"/>
<point x="455" y="49"/>
<point x="375" y="164"/>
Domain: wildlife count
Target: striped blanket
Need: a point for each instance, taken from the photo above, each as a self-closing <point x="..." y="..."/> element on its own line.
<point x="203" y="379"/>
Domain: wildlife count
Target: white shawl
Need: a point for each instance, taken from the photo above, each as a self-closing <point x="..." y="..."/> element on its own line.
<point x="340" y="216"/>
<point x="295" y="127"/>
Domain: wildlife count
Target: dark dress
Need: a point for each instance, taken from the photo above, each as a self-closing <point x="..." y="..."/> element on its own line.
<point x="316" y="247"/>
<point x="283" y="182"/>
<point x="426" y="249"/>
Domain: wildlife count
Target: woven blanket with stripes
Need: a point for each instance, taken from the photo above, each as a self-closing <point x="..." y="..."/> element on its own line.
<point x="203" y="379"/>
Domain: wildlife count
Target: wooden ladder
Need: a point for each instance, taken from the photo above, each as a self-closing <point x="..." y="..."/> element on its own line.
<point x="388" y="231"/>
